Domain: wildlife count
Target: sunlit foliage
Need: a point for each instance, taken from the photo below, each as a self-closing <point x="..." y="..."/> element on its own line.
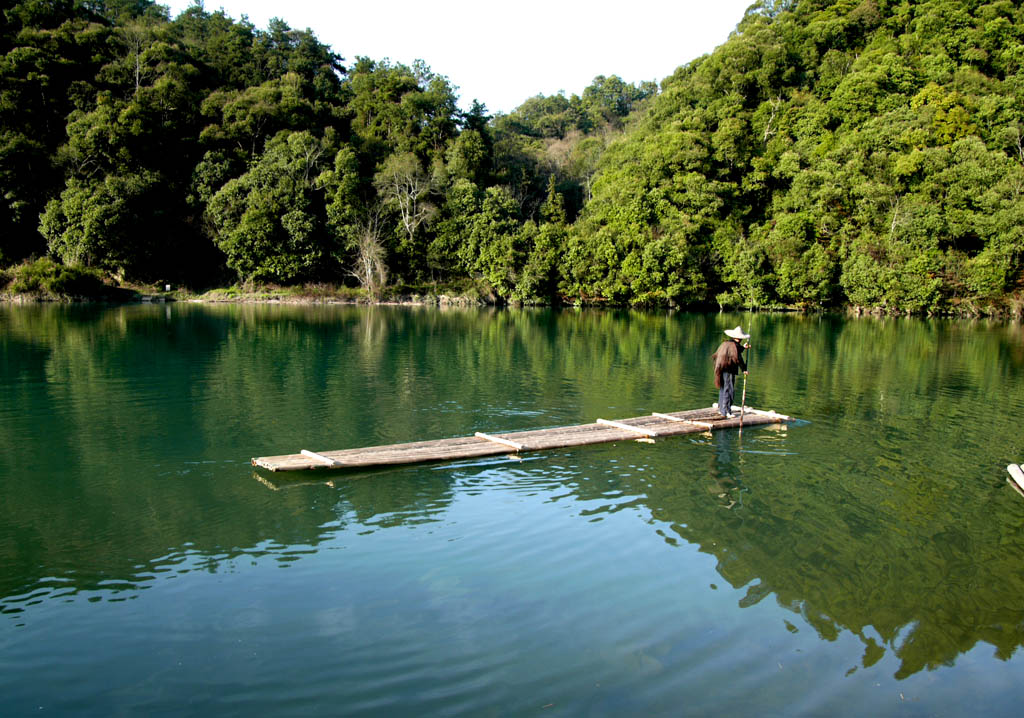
<point x="866" y="152"/>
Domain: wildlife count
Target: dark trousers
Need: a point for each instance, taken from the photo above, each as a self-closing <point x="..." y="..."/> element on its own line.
<point x="726" y="393"/>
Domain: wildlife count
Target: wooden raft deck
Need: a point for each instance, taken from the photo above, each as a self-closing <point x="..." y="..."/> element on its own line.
<point x="479" y="445"/>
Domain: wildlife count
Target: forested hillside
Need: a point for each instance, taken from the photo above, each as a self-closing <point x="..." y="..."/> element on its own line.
<point x="829" y="153"/>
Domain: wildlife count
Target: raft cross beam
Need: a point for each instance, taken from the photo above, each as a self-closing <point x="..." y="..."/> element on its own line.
<point x="497" y="439"/>
<point x="627" y="427"/>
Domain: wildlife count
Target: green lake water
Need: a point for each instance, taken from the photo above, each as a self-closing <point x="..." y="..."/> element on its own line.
<point x="867" y="559"/>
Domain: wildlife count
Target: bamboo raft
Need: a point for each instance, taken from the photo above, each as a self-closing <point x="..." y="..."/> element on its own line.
<point x="1016" y="478"/>
<point x="642" y="428"/>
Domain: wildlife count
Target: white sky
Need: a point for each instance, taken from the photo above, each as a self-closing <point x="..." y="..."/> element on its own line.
<point x="504" y="53"/>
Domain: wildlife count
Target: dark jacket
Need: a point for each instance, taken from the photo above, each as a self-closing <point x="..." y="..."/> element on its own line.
<point x="728" y="360"/>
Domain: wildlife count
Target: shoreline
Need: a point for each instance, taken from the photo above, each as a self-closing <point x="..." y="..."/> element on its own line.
<point x="254" y="298"/>
<point x="465" y="301"/>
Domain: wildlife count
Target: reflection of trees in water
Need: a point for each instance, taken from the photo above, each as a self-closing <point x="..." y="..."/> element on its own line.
<point x="118" y="542"/>
<point x="927" y="579"/>
<point x="131" y="469"/>
<point x="880" y="521"/>
<point x="896" y="528"/>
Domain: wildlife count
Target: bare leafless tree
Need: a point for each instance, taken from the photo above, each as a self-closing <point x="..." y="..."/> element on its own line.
<point x="137" y="36"/>
<point x="404" y="184"/>
<point x="768" y="131"/>
<point x="369" y="268"/>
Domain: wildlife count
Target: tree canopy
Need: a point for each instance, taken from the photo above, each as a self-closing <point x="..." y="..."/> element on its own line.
<point x="830" y="152"/>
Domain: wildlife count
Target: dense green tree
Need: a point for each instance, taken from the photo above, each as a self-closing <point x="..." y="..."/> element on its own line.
<point x="396" y="108"/>
<point x="610" y="100"/>
<point x="222" y="46"/>
<point x="495" y="246"/>
<point x="469" y="157"/>
<point x="540" y="275"/>
<point x="245" y="119"/>
<point x="447" y="253"/>
<point x="97" y="223"/>
<point x="49" y="55"/>
<point x="271" y="221"/>
<point x="341" y="185"/>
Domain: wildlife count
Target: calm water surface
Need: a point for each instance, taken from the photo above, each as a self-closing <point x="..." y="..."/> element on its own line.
<point x="868" y="559"/>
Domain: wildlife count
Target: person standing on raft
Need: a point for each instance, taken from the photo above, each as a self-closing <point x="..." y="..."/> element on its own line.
<point x="728" y="363"/>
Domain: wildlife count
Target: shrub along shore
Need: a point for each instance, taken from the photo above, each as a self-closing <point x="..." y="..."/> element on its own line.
<point x="45" y="281"/>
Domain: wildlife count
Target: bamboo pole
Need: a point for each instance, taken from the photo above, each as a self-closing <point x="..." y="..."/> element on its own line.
<point x="498" y="440"/>
<point x="627" y="427"/>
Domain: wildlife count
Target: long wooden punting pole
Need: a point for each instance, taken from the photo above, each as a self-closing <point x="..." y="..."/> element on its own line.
<point x="743" y="401"/>
<point x="641" y="428"/>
